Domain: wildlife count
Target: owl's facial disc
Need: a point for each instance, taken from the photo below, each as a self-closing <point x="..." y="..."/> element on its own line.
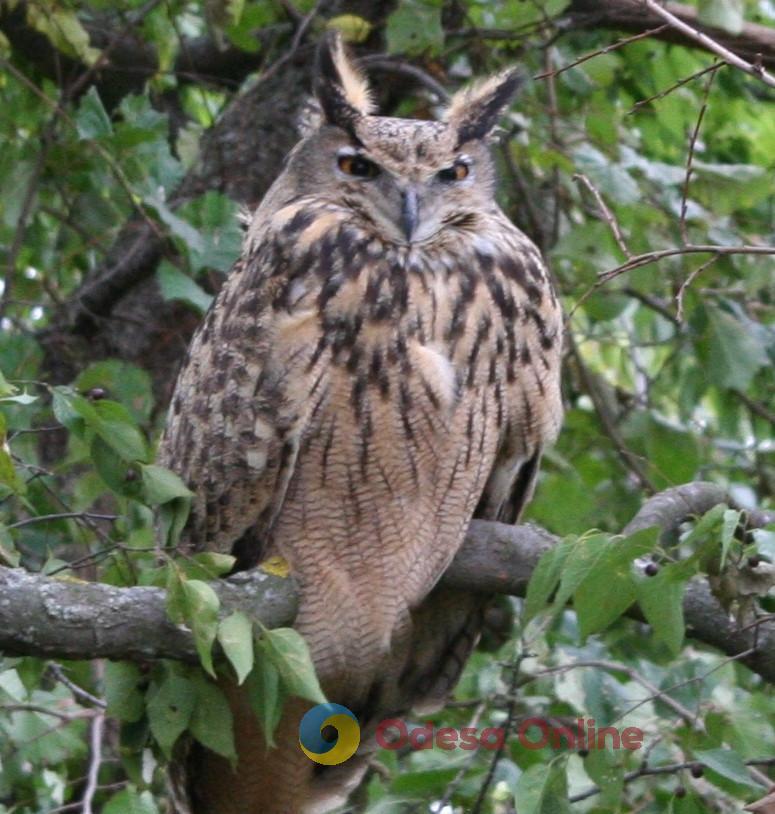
<point x="409" y="204"/>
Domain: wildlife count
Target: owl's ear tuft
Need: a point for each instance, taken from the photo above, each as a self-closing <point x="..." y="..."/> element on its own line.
<point x="475" y="110"/>
<point x="342" y="90"/>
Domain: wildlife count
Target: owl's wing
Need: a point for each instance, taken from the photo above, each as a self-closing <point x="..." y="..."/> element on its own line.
<point x="243" y="399"/>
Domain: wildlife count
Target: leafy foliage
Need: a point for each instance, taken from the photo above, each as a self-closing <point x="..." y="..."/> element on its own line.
<point x="669" y="378"/>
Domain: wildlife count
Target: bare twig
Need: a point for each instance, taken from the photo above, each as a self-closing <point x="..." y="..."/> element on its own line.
<point x="59" y="674"/>
<point x="679" y="84"/>
<point x="50" y="518"/>
<point x="511" y="711"/>
<point x="631" y="461"/>
<point x="384" y="62"/>
<point x="710" y="44"/>
<point x="756" y="407"/>
<point x="671" y="768"/>
<point x="679" y="297"/>
<point x="606" y="50"/>
<point x="689" y="717"/>
<point x="608" y="216"/>
<point x="55" y="713"/>
<point x="95" y="756"/>
<point x="645" y="259"/>
<point x="690" y="156"/>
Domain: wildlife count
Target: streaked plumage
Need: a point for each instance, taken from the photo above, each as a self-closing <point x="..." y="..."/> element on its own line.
<point x="383" y="359"/>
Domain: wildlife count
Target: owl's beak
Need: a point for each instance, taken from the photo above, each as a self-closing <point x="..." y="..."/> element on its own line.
<point x="410" y="213"/>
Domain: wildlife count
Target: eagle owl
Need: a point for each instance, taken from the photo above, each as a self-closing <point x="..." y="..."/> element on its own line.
<point x="381" y="365"/>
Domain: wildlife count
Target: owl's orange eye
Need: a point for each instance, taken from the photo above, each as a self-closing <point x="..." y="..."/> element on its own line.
<point x="358" y="166"/>
<point x="457" y="172"/>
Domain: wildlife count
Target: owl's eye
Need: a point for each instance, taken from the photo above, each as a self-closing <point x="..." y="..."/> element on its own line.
<point x="358" y="166"/>
<point x="457" y="172"/>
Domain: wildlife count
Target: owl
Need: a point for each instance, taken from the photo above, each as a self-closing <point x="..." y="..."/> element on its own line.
<point x="381" y="365"/>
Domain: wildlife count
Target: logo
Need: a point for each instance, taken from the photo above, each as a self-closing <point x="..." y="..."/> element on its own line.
<point x="325" y="750"/>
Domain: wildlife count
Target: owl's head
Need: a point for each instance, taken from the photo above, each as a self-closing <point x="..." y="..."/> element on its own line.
<point x="409" y="179"/>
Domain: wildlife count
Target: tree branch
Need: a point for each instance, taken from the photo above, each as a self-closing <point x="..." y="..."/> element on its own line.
<point x="57" y="618"/>
<point x="754" y="43"/>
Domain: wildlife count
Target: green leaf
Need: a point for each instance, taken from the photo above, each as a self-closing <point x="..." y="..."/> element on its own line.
<point x="266" y="696"/>
<point x="729" y="526"/>
<point x="175" y="285"/>
<point x="661" y="599"/>
<point x="172" y="520"/>
<point x="213" y="563"/>
<point x="609" y="590"/>
<point x="63" y="29"/>
<point x="117" y="428"/>
<point x="128" y="384"/>
<point x="288" y="652"/>
<point x="91" y="120"/>
<point x="130" y="801"/>
<point x="585" y="554"/>
<point x="8" y="475"/>
<point x="673" y="455"/>
<point x="235" y="634"/>
<point x="352" y="27"/>
<point x="161" y="485"/>
<point x="180" y="228"/>
<point x="6" y="389"/>
<point x="726" y="14"/>
<point x="732" y="350"/>
<point x="201" y="614"/>
<point x="176" y="599"/>
<point x="113" y="469"/>
<point x="726" y="763"/>
<point x="122" y="690"/>
<point x="545" y="578"/>
<point x="414" y="27"/>
<point x="170" y="707"/>
<point x="211" y="721"/>
<point x="543" y="790"/>
<point x="606" y="770"/>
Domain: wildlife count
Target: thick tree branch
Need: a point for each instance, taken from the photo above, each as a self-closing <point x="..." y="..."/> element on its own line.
<point x="755" y="43"/>
<point x="67" y="619"/>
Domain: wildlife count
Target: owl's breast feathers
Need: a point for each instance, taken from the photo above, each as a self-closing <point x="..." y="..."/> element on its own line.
<point x="353" y="399"/>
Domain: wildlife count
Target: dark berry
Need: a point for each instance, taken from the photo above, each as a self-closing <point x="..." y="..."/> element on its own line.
<point x="97" y="393"/>
<point x="651" y="570"/>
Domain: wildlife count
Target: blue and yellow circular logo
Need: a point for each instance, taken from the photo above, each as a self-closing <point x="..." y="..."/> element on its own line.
<point x="318" y="748"/>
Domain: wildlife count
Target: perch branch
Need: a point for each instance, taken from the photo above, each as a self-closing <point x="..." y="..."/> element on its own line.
<point x="58" y="618"/>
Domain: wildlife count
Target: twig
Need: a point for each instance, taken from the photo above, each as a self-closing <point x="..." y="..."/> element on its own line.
<point x="383" y="62"/>
<point x="755" y="407"/>
<point x="647" y="258"/>
<point x="45" y="518"/>
<point x="679" y="84"/>
<point x="55" y="713"/>
<point x="59" y="674"/>
<point x="95" y="755"/>
<point x="511" y="710"/>
<point x="690" y="156"/>
<point x="687" y="715"/>
<point x="710" y="44"/>
<point x="608" y="216"/>
<point x="671" y="768"/>
<point x="606" y="50"/>
<point x="654" y="303"/>
<point x="301" y="30"/>
<point x="458" y="778"/>
<point x="679" y="297"/>
<point x="74" y="806"/>
<point x="630" y="460"/>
